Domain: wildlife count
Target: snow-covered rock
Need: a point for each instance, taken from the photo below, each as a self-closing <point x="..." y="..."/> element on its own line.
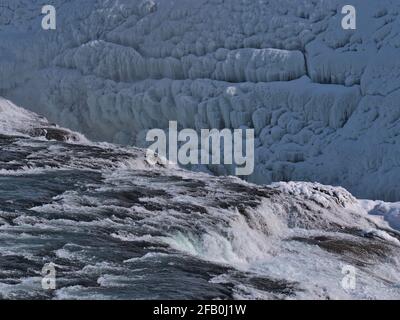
<point x="16" y="121"/>
<point x="324" y="101"/>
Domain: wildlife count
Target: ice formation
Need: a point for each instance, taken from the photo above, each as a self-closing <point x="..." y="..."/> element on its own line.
<point x="324" y="101"/>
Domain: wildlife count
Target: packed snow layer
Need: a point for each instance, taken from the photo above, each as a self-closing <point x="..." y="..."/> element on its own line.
<point x="324" y="101"/>
<point x="113" y="61"/>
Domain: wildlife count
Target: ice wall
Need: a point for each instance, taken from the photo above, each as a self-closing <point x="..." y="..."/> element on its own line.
<point x="324" y="101"/>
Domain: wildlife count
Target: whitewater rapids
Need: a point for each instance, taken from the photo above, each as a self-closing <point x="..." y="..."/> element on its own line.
<point x="117" y="227"/>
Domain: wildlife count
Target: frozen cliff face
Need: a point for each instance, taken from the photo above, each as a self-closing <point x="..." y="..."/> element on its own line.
<point x="324" y="101"/>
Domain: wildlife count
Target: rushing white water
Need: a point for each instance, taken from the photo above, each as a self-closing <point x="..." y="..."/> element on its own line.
<point x="118" y="227"/>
